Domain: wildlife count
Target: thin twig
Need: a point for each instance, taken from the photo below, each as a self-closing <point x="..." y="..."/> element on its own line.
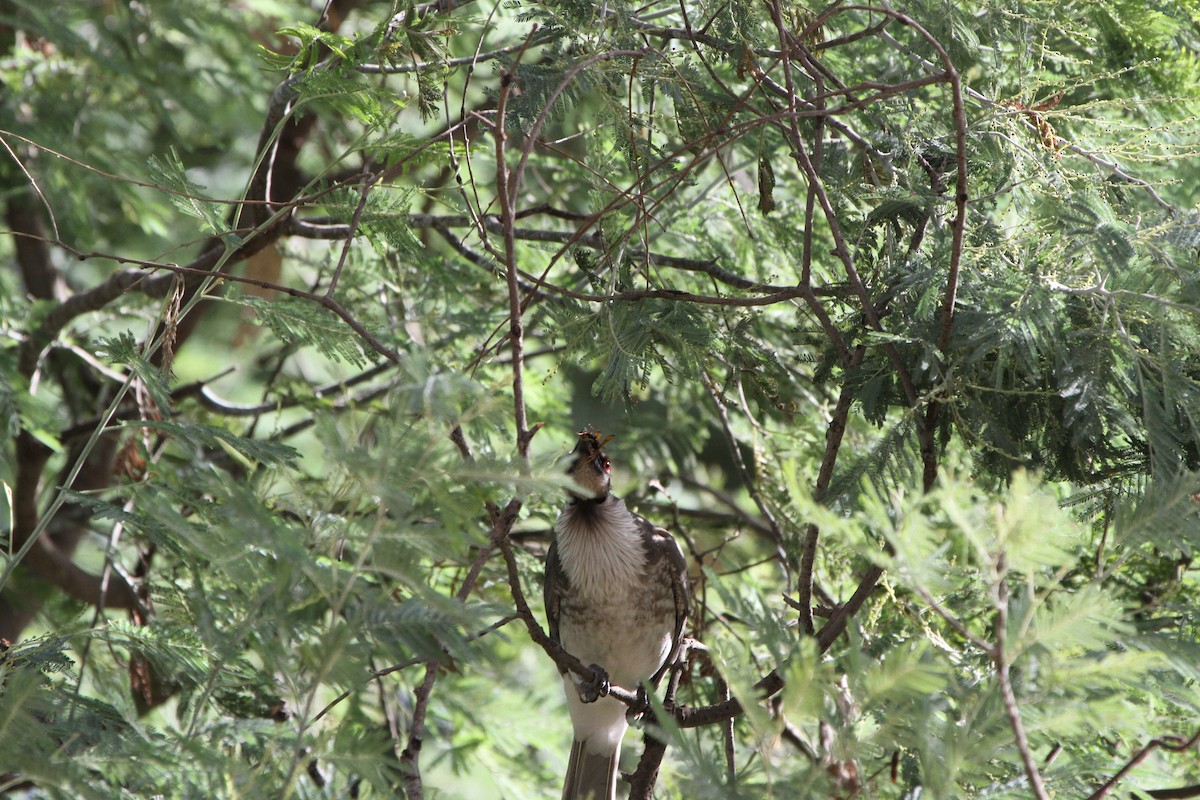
<point x="464" y="61"/>
<point x="410" y="756"/>
<point x="773" y="682"/>
<point x="846" y="611"/>
<point x="1110" y="167"/>
<point x="747" y="478"/>
<point x="1000" y="659"/>
<point x="121" y="282"/>
<point x="833" y="444"/>
<point x="531" y="137"/>
<point x="954" y="622"/>
<point x="1174" y="743"/>
<point x="506" y="196"/>
<point x="412" y="662"/>
<point x="355" y="221"/>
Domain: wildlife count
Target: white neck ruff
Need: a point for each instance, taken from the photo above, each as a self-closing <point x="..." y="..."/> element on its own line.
<point x="600" y="546"/>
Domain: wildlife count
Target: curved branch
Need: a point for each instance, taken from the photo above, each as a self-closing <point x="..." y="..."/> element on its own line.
<point x="40" y="553"/>
<point x="1174" y="743"/>
<point x="772" y="683"/>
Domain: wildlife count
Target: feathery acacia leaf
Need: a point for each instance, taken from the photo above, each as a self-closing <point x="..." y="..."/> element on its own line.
<point x="930" y="439"/>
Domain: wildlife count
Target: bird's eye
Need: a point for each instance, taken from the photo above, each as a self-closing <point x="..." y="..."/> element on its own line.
<point x="604" y="462"/>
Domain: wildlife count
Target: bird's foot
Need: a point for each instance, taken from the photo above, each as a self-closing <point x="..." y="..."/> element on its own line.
<point x="639" y="707"/>
<point x="594" y="687"/>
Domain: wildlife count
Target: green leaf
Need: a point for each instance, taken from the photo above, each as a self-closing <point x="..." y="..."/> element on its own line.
<point x="124" y="349"/>
<point x="298" y="321"/>
<point x="213" y="438"/>
<point x="190" y="198"/>
<point x="1086" y="619"/>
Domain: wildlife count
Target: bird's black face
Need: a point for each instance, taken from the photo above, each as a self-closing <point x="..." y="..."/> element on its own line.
<point x="591" y="469"/>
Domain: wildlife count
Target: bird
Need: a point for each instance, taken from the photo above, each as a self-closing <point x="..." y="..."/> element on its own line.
<point x="616" y="595"/>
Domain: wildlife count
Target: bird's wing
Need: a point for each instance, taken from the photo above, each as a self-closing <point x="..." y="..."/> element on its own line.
<point x="668" y="568"/>
<point x="556" y="585"/>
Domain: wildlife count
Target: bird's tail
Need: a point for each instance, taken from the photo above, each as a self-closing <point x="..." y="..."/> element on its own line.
<point x="590" y="775"/>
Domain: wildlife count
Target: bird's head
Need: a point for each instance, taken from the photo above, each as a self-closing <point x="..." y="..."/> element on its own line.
<point x="590" y="468"/>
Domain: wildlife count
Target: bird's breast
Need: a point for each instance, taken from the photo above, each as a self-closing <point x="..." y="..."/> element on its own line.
<point x="615" y="610"/>
<point x="628" y="633"/>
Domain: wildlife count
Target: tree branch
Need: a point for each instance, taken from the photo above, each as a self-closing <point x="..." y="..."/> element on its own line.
<point x="24" y="219"/>
<point x="641" y="782"/>
<point x="1179" y="793"/>
<point x="1000" y="659"/>
<point x="747" y="478"/>
<point x="506" y="195"/>
<point x="40" y="553"/>
<point x="833" y="445"/>
<point x="1174" y="743"/>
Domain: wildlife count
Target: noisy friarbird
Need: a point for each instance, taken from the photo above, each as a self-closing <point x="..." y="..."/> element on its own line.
<point x="616" y="599"/>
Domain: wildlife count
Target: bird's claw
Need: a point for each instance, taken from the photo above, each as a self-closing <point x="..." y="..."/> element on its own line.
<point x="639" y="707"/>
<point x="594" y="687"/>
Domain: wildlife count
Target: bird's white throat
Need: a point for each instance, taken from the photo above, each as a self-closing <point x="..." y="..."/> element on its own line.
<point x="600" y="546"/>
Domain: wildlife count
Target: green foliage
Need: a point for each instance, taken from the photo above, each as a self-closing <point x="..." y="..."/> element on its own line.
<point x="634" y="339"/>
<point x="266" y="564"/>
<point x="212" y="437"/>
<point x="187" y="196"/>
<point x="1079" y="665"/>
<point x="299" y="322"/>
<point x="124" y="349"/>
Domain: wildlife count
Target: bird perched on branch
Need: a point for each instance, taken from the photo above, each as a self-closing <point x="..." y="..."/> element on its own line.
<point x="616" y="599"/>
